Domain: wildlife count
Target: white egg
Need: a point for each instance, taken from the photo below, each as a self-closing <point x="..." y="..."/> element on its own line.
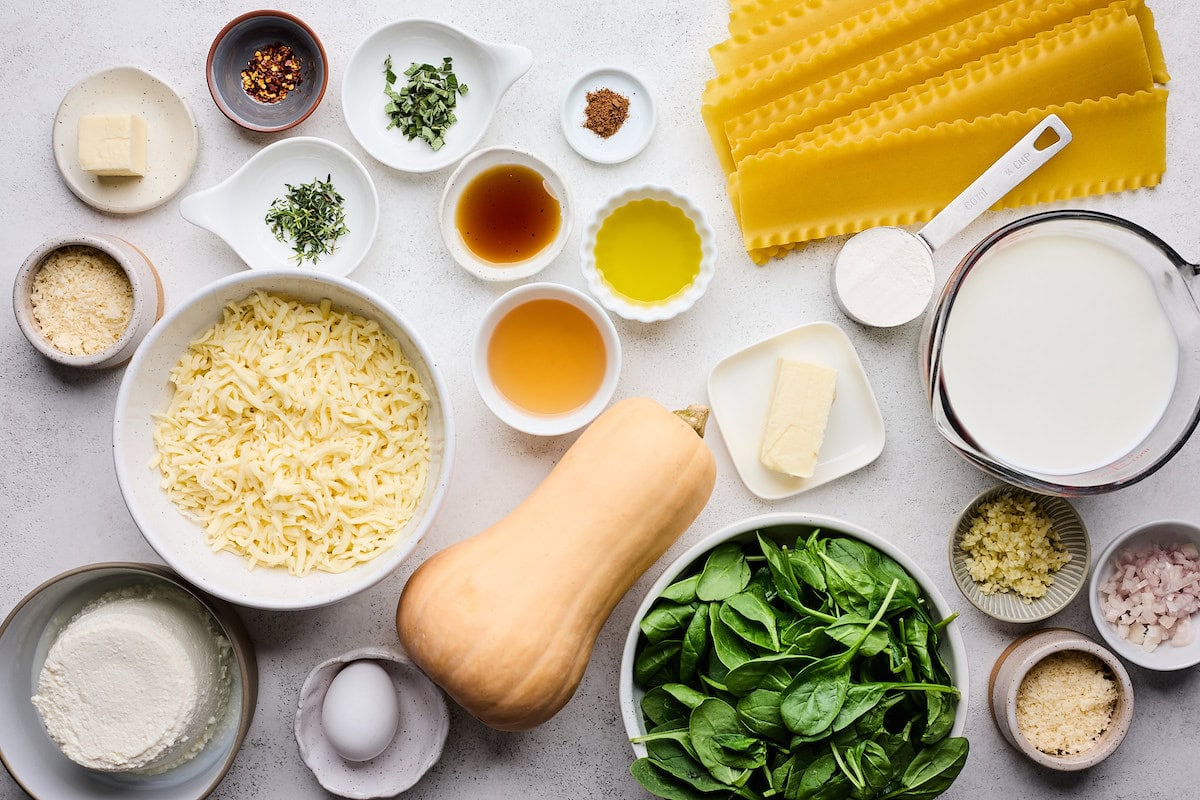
<point x="361" y="711"/>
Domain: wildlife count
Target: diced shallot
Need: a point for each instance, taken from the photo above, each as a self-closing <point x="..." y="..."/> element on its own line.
<point x="1152" y="594"/>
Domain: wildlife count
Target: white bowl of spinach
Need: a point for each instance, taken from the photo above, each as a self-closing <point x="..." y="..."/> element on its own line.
<point x="795" y="656"/>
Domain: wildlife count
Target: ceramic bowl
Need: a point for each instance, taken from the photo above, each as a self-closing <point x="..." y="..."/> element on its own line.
<point x="467" y="171"/>
<point x="1014" y="664"/>
<point x="147" y="299"/>
<point x="34" y="761"/>
<point x="635" y="132"/>
<point x="233" y="50"/>
<point x="1068" y="581"/>
<point x="180" y="541"/>
<point x="1166" y="657"/>
<point x="513" y="415"/>
<point x="486" y="68"/>
<point x="624" y="306"/>
<point x="785" y="527"/>
<point x="424" y="723"/>
<point x="236" y="208"/>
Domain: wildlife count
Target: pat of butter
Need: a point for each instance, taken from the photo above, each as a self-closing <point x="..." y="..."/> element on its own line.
<point x="799" y="413"/>
<point x="112" y="144"/>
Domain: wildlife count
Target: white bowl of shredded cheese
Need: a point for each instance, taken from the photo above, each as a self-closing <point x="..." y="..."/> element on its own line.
<point x="283" y="439"/>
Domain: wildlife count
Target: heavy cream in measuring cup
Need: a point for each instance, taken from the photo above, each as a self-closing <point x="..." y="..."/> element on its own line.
<point x="1057" y="357"/>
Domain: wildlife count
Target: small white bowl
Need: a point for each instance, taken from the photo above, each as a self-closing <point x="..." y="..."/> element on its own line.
<point x="424" y="723"/>
<point x="1166" y="657"/>
<point x="467" y="171"/>
<point x="1023" y="655"/>
<point x="785" y="527"/>
<point x="516" y="417"/>
<point x="235" y="209"/>
<point x="180" y="540"/>
<point x="633" y="135"/>
<point x="657" y="312"/>
<point x="487" y="69"/>
<point x="147" y="299"/>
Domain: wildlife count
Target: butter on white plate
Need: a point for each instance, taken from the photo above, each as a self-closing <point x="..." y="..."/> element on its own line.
<point x="741" y="387"/>
<point x="112" y="145"/>
<point x="795" y="429"/>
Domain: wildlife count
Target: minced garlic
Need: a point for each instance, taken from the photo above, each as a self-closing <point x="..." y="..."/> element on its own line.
<point x="82" y="300"/>
<point x="1011" y="545"/>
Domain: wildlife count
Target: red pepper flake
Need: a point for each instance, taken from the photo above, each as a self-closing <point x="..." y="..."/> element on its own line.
<point x="271" y="73"/>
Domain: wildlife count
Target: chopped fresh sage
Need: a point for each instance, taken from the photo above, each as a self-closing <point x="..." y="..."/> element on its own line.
<point x="310" y="217"/>
<point x="424" y="107"/>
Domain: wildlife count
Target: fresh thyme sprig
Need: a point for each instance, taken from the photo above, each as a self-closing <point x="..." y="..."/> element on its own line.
<point x="310" y="217"/>
<point x="424" y="108"/>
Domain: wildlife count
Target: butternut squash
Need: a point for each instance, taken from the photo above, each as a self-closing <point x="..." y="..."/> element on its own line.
<point x="505" y="621"/>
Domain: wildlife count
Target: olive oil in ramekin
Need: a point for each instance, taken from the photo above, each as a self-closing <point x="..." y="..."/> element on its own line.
<point x="648" y="251"/>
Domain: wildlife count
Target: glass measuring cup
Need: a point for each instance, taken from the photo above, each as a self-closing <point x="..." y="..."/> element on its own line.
<point x="1173" y="280"/>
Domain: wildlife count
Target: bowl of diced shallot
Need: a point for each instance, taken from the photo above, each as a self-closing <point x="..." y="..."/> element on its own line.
<point x="1145" y="595"/>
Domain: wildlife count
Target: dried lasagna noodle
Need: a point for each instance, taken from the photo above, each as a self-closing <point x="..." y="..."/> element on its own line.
<point x="896" y="70"/>
<point x="1119" y="143"/>
<point x="794" y="18"/>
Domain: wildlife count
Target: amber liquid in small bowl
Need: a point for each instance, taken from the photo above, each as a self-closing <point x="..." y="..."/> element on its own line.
<point x="506" y="214"/>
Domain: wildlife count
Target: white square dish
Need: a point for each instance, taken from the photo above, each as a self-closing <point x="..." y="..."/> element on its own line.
<point x="740" y="388"/>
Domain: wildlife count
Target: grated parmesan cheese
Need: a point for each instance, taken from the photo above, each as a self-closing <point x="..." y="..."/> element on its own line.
<point x="82" y="300"/>
<point x="1065" y="702"/>
<point x="296" y="435"/>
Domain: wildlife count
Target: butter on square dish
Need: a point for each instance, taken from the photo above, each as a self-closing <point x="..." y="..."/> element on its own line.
<point x="741" y="388"/>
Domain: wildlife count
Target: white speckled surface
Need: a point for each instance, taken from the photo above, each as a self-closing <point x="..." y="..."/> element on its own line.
<point x="59" y="497"/>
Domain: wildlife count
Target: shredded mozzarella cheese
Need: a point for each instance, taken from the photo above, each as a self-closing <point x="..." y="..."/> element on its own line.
<point x="296" y="435"/>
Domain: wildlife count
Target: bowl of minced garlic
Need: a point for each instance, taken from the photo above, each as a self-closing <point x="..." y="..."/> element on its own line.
<point x="86" y="300"/>
<point x="1061" y="699"/>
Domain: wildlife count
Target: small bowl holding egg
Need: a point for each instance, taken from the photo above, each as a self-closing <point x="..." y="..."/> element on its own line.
<point x="505" y="214"/>
<point x="1144" y="595"/>
<point x="648" y="254"/>
<point x="369" y="723"/>
<point x="546" y="359"/>
<point x="1060" y="699"/>
<point x="86" y="300"/>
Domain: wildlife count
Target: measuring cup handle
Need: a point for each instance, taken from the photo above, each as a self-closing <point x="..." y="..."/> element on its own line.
<point x="998" y="180"/>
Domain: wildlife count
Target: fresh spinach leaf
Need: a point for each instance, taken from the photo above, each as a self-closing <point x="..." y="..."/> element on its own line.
<point x="695" y="643"/>
<point x="707" y="720"/>
<point x="849" y="628"/>
<point x="726" y="572"/>
<point x="676" y="759"/>
<point x="751" y="617"/>
<point x="860" y="699"/>
<point x="657" y="664"/>
<point x="932" y="770"/>
<point x="759" y="713"/>
<point x="773" y="671"/>
<point x="666" y="621"/>
<point x="682" y="591"/>
<point x="731" y="650"/>
<point x="659" y="782"/>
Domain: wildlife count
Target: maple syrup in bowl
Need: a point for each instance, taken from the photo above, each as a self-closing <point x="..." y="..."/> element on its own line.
<point x="546" y="359"/>
<point x="505" y="214"/>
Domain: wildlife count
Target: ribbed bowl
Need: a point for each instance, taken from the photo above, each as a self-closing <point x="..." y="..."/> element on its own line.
<point x="1068" y="581"/>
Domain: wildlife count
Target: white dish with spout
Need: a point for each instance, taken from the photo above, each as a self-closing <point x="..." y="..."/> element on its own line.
<point x="487" y="69"/>
<point x="236" y="208"/>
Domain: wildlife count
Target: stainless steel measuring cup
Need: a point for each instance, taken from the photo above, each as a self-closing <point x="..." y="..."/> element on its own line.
<point x="884" y="276"/>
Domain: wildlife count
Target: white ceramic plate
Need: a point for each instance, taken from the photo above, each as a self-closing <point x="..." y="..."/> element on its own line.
<point x="487" y="70"/>
<point x="236" y="208"/>
<point x="171" y="139"/>
<point x="740" y="388"/>
<point x="633" y="135"/>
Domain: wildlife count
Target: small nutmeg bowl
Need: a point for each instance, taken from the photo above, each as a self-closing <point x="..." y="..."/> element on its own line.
<point x="1014" y="667"/>
<point x="143" y="281"/>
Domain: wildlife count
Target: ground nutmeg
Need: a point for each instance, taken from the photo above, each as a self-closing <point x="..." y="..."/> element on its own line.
<point x="606" y="112"/>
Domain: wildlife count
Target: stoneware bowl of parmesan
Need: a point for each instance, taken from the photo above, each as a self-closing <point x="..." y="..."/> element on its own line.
<point x="1018" y="556"/>
<point x="87" y="300"/>
<point x="827" y="544"/>
<point x="283" y="439"/>
<point x="120" y="679"/>
<point x="1145" y="595"/>
<point x="1061" y="699"/>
